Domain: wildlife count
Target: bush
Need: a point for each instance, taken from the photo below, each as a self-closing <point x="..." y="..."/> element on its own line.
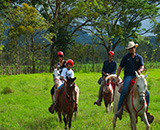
<point x="7" y="90"/>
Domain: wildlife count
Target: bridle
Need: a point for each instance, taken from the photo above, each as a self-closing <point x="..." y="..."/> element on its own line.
<point x="141" y="94"/>
<point x="71" y="101"/>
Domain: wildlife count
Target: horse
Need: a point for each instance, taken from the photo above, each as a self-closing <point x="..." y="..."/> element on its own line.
<point x="67" y="102"/>
<point x="108" y="91"/>
<point x="135" y="104"/>
<point x="58" y="82"/>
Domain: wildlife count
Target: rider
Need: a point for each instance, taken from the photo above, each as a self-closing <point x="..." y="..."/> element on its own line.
<point x="131" y="62"/>
<point x="109" y="66"/>
<point x="66" y="72"/>
<point x="61" y="64"/>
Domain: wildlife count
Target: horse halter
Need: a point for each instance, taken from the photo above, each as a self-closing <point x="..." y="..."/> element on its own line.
<point x="71" y="100"/>
<point x="141" y="93"/>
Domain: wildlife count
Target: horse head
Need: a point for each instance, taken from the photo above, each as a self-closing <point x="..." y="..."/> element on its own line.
<point x="141" y="86"/>
<point x="56" y="77"/>
<point x="70" y="88"/>
<point x="107" y="85"/>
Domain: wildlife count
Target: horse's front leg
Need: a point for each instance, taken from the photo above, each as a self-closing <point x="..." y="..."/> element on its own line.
<point x="133" y="121"/>
<point x="59" y="115"/>
<point x="114" y="121"/>
<point x="70" y="120"/>
<point x="65" y="121"/>
<point x="144" y="118"/>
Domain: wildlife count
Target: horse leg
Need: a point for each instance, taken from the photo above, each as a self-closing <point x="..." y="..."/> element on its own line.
<point x="110" y="107"/>
<point x="59" y="115"/>
<point x="144" y="118"/>
<point x="70" y="120"/>
<point x="75" y="114"/>
<point x="65" y="121"/>
<point x="133" y="121"/>
<point x="114" y="121"/>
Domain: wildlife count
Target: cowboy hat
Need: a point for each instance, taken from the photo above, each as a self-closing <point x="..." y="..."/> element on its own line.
<point x="131" y="44"/>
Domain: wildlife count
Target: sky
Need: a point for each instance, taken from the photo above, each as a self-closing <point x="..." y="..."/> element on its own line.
<point x="146" y="24"/>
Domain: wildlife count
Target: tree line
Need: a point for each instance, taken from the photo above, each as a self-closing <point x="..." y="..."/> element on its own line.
<point x="32" y="32"/>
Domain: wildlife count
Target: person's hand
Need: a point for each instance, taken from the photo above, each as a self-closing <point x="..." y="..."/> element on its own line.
<point x="104" y="77"/>
<point x="139" y="72"/>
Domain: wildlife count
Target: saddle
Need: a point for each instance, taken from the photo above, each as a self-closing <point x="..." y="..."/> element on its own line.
<point x="129" y="87"/>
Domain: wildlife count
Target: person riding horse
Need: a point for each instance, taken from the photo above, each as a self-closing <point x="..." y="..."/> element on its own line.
<point x="61" y="64"/>
<point x="131" y="62"/>
<point x="66" y="72"/>
<point x="109" y="66"/>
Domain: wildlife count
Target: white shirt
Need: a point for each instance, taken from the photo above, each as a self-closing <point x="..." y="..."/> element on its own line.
<point x="67" y="73"/>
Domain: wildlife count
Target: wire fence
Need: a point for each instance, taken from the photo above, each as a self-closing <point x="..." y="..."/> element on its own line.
<point x="13" y="70"/>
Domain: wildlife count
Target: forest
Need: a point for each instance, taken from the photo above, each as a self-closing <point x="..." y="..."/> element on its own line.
<point x="32" y="32"/>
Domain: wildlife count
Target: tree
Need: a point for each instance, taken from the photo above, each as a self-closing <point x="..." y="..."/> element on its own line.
<point x="28" y="30"/>
<point x="70" y="15"/>
<point x="120" y="21"/>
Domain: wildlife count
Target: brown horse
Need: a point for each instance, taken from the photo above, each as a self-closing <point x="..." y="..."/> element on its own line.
<point x="67" y="102"/>
<point x="108" y="91"/>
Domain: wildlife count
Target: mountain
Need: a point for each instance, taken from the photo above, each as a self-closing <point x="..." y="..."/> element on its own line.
<point x="83" y="37"/>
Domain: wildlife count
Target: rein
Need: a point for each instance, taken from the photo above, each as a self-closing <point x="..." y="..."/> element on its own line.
<point x="134" y="106"/>
<point x="56" y="79"/>
<point x="65" y="94"/>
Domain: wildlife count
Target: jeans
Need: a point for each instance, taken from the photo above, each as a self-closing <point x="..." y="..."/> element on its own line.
<point x="126" y="83"/>
<point x="60" y="86"/>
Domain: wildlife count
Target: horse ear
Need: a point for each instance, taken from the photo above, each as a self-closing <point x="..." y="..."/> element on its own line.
<point x="136" y="74"/>
<point x="146" y="75"/>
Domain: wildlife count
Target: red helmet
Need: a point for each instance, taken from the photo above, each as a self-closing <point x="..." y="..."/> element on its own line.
<point x="111" y="53"/>
<point x="69" y="61"/>
<point x="60" y="53"/>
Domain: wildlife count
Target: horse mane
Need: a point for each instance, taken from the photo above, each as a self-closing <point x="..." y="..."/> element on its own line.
<point x="114" y="76"/>
<point x="134" y="89"/>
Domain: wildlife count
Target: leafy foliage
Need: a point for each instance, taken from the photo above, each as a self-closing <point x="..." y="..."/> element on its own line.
<point x="120" y="21"/>
<point x="7" y="90"/>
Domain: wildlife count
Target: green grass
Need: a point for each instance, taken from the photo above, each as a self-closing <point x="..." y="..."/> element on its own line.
<point x="26" y="108"/>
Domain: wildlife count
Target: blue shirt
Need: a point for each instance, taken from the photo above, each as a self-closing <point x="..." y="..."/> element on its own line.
<point x="131" y="64"/>
<point x="109" y="67"/>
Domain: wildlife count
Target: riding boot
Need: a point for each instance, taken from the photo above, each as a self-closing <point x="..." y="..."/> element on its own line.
<point x="150" y="117"/>
<point x="99" y="100"/>
<point x="56" y="106"/>
<point x="51" y="109"/>
<point x="119" y="113"/>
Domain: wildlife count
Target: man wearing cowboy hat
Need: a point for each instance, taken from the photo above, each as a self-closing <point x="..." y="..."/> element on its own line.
<point x="131" y="62"/>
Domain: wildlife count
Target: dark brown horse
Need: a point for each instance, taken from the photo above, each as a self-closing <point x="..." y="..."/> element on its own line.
<point x="67" y="102"/>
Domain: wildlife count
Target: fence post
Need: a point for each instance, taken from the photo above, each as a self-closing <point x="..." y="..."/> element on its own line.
<point x="4" y="70"/>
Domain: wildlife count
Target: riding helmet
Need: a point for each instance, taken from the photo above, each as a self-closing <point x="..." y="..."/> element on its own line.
<point x="60" y="53"/>
<point x="69" y="61"/>
<point x="111" y="53"/>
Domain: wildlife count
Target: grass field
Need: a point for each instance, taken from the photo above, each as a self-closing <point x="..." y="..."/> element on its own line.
<point x="26" y="108"/>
